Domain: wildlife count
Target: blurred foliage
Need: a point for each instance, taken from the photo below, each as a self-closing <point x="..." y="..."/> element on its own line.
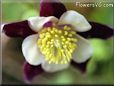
<point x="102" y="49"/>
<point x="18" y="11"/>
<point x="102" y="15"/>
<point x="102" y="56"/>
<point x="100" y="67"/>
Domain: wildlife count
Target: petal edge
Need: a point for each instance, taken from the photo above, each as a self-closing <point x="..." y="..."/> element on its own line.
<point x="53" y="67"/>
<point x="51" y="8"/>
<point x="84" y="50"/>
<point x="78" y="21"/>
<point x="37" y="23"/>
<point x="18" y="29"/>
<point x="31" y="51"/>
<point x="31" y="71"/>
<point x="80" y="66"/>
<point x="98" y="31"/>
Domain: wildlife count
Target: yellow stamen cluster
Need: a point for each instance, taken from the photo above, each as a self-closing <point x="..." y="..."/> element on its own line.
<point x="57" y="44"/>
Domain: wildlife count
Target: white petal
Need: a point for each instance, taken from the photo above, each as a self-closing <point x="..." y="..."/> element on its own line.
<point x="2" y="25"/>
<point x="36" y="23"/>
<point x="83" y="51"/>
<point x="75" y="19"/>
<point x="31" y="51"/>
<point x="54" y="67"/>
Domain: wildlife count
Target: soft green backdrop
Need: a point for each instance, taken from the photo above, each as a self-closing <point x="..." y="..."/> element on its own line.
<point x="100" y="68"/>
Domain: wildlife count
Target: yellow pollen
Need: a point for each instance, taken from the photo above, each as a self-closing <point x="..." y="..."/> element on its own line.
<point x="57" y="45"/>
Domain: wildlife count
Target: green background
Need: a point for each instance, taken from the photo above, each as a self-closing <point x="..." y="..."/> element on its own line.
<point x="99" y="69"/>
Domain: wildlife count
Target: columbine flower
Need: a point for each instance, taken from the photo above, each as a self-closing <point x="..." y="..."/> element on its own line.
<point x="53" y="41"/>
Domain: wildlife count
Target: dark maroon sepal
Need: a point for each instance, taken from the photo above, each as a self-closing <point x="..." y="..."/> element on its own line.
<point x="98" y="31"/>
<point x="80" y="66"/>
<point x="51" y="8"/>
<point x="31" y="71"/>
<point x="18" y="29"/>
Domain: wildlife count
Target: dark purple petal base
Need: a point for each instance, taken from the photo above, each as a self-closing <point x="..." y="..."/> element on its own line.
<point x="80" y="66"/>
<point x="18" y="29"/>
<point x="98" y="31"/>
<point x="31" y="71"/>
<point x="48" y="24"/>
<point x="51" y="8"/>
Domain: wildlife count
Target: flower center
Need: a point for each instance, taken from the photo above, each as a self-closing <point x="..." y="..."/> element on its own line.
<point x="57" y="44"/>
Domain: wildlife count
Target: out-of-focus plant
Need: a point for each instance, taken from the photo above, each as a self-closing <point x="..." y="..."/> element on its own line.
<point x="103" y="55"/>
